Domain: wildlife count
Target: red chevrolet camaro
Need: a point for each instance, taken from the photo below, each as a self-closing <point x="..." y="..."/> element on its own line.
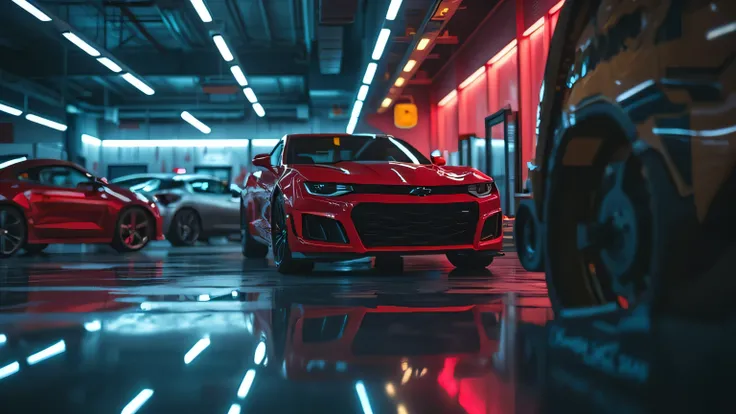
<point x="341" y="197"/>
<point x="51" y="201"/>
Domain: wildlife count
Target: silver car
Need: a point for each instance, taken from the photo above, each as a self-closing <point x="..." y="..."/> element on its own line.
<point x="193" y="206"/>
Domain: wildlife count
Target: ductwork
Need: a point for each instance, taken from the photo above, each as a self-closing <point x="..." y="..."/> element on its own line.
<point x="334" y="15"/>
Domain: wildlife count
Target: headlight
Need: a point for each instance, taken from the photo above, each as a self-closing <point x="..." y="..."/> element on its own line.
<point x="328" y="189"/>
<point x="481" y="190"/>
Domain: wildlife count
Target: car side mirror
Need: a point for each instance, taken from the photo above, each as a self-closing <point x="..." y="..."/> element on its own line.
<point x="263" y="161"/>
<point x="438" y="160"/>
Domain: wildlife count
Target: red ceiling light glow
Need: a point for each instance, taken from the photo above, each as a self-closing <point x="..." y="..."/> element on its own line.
<point x="472" y="78"/>
<point x="508" y="48"/>
<point x="450" y="96"/>
<point x="534" y="27"/>
<point x="556" y="7"/>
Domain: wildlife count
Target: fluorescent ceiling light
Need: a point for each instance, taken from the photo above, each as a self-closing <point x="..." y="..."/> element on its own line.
<point x="222" y="47"/>
<point x="410" y="65"/>
<point x="93" y="326"/>
<point x="131" y="79"/>
<point x="201" y="10"/>
<point x="9" y="369"/>
<point x="473" y="77"/>
<point x="10" y="110"/>
<point x="357" y="107"/>
<point x="381" y="43"/>
<point x="239" y="75"/>
<point x="246" y="384"/>
<point x="110" y="64"/>
<point x="534" y="27"/>
<point x="351" y="125"/>
<point x="90" y="140"/>
<point x="720" y="31"/>
<point x="195" y="122"/>
<point x="197" y="349"/>
<point x="399" y="82"/>
<point x="250" y="95"/>
<point x="32" y="10"/>
<point x="450" y="96"/>
<point x="393" y="9"/>
<point x="423" y="44"/>
<point x="259" y="110"/>
<point x="47" y="353"/>
<point x="4" y="338"/>
<point x="174" y="143"/>
<point x="136" y="403"/>
<point x="3" y="165"/>
<point x="362" y="92"/>
<point x="386" y="103"/>
<point x="234" y="409"/>
<point x="370" y="72"/>
<point x="260" y="353"/>
<point x="78" y="42"/>
<point x="506" y="49"/>
<point x="363" y="396"/>
<point x="46" y="122"/>
<point x="556" y="7"/>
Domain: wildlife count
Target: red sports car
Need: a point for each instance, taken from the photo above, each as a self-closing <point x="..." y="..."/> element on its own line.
<point x="340" y="197"/>
<point x="52" y="201"/>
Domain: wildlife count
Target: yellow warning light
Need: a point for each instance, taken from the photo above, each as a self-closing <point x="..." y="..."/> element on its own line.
<point x="336" y="141"/>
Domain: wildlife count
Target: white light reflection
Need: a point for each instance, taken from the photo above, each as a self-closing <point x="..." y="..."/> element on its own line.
<point x="404" y="150"/>
<point x="234" y="293"/>
<point x="47" y="353"/>
<point x="694" y="133"/>
<point x="407" y="376"/>
<point x="401" y="409"/>
<point x="246" y="384"/>
<point x="260" y="353"/>
<point x="137" y="402"/>
<point x="197" y="349"/>
<point x="204" y="298"/>
<point x="633" y="91"/>
<point x="363" y="397"/>
<point x="9" y="369"/>
<point x="390" y="389"/>
<point x="3" y="339"/>
<point x="721" y="31"/>
<point x="234" y="409"/>
<point x="93" y="326"/>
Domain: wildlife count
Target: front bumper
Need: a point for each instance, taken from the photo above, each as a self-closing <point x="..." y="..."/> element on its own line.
<point x="341" y="209"/>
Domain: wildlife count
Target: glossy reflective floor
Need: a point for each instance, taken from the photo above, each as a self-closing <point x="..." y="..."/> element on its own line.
<point x="201" y="330"/>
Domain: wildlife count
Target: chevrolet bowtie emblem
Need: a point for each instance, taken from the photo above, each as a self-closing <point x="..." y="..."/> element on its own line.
<point x="420" y="191"/>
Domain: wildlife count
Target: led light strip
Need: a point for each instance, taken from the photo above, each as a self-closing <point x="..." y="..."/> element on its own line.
<point x="370" y="72"/>
<point x="227" y="55"/>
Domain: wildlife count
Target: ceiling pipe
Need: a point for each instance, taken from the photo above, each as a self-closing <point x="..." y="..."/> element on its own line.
<point x="307" y="23"/>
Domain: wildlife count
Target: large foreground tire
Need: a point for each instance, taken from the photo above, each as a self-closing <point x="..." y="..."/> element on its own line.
<point x="528" y="237"/>
<point x="133" y="231"/>
<point x="282" y="256"/>
<point x="185" y="229"/>
<point x="12" y="230"/>
<point x="250" y="248"/>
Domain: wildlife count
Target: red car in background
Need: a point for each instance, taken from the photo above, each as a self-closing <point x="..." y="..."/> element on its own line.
<point x="339" y="197"/>
<point x="52" y="201"/>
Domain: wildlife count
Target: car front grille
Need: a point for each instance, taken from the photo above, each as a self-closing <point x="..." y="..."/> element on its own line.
<point x="390" y="225"/>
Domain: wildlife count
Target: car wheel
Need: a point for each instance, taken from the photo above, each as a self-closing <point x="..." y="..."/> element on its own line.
<point x="528" y="239"/>
<point x="470" y="260"/>
<point x="282" y="257"/>
<point x="185" y="228"/>
<point x="35" y="248"/>
<point x="248" y="245"/>
<point x="133" y="230"/>
<point x="12" y="231"/>
<point x="389" y="264"/>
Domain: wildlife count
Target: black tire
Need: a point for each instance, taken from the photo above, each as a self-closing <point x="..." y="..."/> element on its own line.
<point x="285" y="263"/>
<point x="389" y="264"/>
<point x="470" y="260"/>
<point x="35" y="248"/>
<point x="528" y="238"/>
<point x="133" y="230"/>
<point x="12" y="230"/>
<point x="250" y="248"/>
<point x="185" y="228"/>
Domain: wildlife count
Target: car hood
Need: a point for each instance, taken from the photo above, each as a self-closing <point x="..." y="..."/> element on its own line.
<point x="391" y="173"/>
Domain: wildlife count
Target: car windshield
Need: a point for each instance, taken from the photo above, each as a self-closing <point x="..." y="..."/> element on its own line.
<point x="335" y="149"/>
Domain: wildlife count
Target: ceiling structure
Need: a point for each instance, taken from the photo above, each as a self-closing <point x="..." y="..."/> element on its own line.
<point x="300" y="57"/>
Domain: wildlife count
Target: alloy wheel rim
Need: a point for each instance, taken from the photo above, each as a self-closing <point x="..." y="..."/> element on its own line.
<point x="11" y="236"/>
<point x="188" y="227"/>
<point x="134" y="229"/>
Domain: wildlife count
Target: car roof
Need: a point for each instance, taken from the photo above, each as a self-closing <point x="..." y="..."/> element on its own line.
<point x="341" y="134"/>
<point x="165" y="176"/>
<point x="41" y="162"/>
